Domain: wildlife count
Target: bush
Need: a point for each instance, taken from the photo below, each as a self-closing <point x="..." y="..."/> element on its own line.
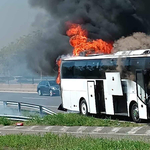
<point x="4" y="121"/>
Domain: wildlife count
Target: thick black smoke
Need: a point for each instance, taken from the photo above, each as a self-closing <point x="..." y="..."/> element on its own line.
<point x="105" y="19"/>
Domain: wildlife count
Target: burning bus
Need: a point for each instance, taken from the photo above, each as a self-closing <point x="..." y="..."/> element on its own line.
<point x="101" y="81"/>
<point x="114" y="84"/>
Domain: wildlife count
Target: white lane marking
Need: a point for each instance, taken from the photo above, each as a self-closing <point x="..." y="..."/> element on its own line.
<point x="17" y="127"/>
<point x="64" y="129"/>
<point x="98" y="129"/>
<point x="85" y="133"/>
<point x="91" y="133"/>
<point x="8" y="128"/>
<point x="5" y="127"/>
<point x="33" y="98"/>
<point x="31" y="128"/>
<point x="81" y="129"/>
<point x="134" y="130"/>
<point x="48" y="128"/>
<point x="147" y="132"/>
<point x="114" y="130"/>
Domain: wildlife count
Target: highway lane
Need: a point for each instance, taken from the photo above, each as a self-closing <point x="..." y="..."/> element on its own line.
<point x="32" y="98"/>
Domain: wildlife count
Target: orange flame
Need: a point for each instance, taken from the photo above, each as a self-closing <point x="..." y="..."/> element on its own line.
<point x="80" y="42"/>
<point x="58" y="76"/>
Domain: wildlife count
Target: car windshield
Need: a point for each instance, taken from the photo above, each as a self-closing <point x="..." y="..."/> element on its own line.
<point x="52" y="83"/>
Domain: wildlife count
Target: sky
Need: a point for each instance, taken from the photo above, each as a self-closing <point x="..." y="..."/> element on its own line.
<point x="16" y="18"/>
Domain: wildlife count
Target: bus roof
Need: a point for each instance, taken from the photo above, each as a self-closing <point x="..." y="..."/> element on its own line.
<point x="132" y="53"/>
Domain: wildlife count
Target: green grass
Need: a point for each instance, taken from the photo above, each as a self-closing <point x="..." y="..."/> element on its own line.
<point x="4" y="121"/>
<point x="77" y="120"/>
<point x="50" y="141"/>
<point x="70" y="119"/>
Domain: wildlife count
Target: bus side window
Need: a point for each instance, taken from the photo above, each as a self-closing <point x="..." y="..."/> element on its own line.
<point x="137" y="63"/>
<point x="80" y="69"/>
<point x="67" y="69"/>
<point x="92" y="69"/>
<point x="123" y="67"/>
<point x="112" y="64"/>
<point x="105" y="64"/>
<point x="147" y="63"/>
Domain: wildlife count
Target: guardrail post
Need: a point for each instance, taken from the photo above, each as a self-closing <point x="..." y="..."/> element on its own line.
<point x="19" y="107"/>
<point x="4" y="103"/>
<point x="41" y="112"/>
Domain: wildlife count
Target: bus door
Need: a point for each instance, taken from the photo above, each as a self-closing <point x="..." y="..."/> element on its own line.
<point x="99" y="96"/>
<point x="91" y="97"/>
<point x="141" y="94"/>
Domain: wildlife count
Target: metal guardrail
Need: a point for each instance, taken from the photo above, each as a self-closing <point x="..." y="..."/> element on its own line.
<point x="16" y="118"/>
<point x="19" y="107"/>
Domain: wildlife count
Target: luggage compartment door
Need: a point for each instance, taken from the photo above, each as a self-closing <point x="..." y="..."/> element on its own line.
<point x="112" y="86"/>
<point x="114" y="83"/>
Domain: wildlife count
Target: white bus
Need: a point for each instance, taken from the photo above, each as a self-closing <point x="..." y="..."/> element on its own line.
<point x="115" y="84"/>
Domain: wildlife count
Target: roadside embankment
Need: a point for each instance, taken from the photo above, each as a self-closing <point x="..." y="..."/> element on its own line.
<point x="18" y="87"/>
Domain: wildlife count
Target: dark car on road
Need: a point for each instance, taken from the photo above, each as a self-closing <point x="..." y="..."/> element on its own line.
<point x="49" y="88"/>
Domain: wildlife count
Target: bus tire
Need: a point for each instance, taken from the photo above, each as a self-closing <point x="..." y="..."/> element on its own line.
<point x="135" y="113"/>
<point x="83" y="108"/>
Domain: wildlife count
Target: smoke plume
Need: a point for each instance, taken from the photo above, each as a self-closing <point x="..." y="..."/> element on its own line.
<point x="134" y="42"/>
<point x="108" y="20"/>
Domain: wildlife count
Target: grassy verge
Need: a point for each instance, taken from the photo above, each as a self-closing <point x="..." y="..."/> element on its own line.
<point x="77" y="120"/>
<point x="70" y="120"/>
<point x="64" y="142"/>
<point x="4" y="121"/>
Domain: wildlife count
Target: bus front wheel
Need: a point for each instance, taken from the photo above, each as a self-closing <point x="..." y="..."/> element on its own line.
<point x="135" y="113"/>
<point x="83" y="108"/>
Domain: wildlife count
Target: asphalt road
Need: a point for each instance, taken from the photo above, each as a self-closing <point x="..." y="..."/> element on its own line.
<point x="32" y="98"/>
